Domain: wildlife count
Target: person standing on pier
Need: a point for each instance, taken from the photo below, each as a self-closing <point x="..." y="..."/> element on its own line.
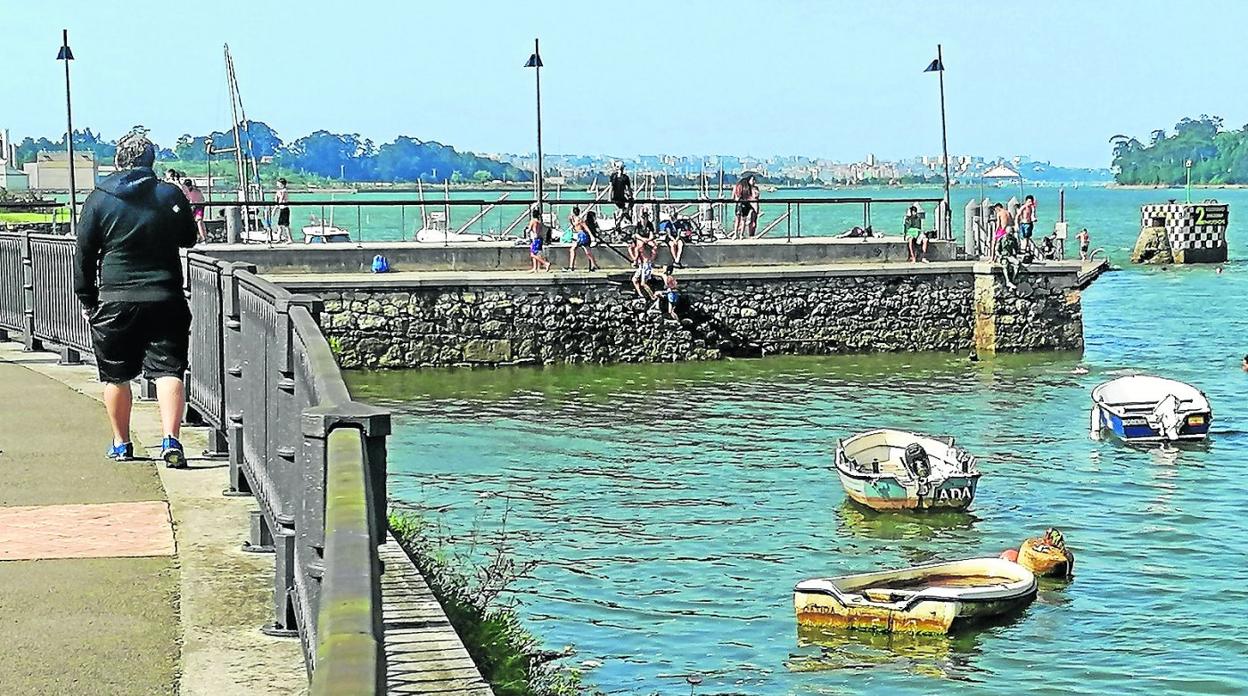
<point x="621" y="195"/>
<point x="755" y="206"/>
<point x="913" y="231"/>
<point x="581" y="239"/>
<point x="741" y="195"/>
<point x="536" y="237"/>
<point x="196" y="198"/>
<point x="282" y="198"/>
<point x="1004" y="223"/>
<point x="1027" y="222"/>
<point x="1084" y="240"/>
<point x="128" y="277"/>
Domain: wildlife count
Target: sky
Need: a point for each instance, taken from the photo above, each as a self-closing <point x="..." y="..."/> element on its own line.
<point x="1051" y="79"/>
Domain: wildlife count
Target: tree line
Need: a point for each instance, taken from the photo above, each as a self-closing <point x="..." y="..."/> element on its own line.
<point x="342" y="156"/>
<point x="1217" y="156"/>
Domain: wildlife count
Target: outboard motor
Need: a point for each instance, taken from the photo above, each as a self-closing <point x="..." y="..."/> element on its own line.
<point x="1165" y="418"/>
<point x="916" y="462"/>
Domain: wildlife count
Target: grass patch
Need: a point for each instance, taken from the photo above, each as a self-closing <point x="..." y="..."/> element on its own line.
<point x="20" y="218"/>
<point x="474" y="596"/>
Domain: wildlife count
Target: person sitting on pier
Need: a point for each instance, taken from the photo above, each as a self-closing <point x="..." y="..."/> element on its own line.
<point x="621" y="195"/>
<point x="1048" y="248"/>
<point x="643" y="238"/>
<point x="913" y="232"/>
<point x="536" y="235"/>
<point x="644" y="271"/>
<point x="581" y="239"/>
<point x="672" y="232"/>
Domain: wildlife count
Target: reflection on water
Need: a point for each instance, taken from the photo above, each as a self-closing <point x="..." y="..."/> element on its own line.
<point x="862" y="521"/>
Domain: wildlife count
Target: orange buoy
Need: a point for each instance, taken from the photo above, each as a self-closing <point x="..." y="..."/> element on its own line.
<point x="1010" y="555"/>
<point x="1042" y="557"/>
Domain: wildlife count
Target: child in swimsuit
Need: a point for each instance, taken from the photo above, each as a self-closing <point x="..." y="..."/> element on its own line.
<point x="672" y="295"/>
<point x="535" y="245"/>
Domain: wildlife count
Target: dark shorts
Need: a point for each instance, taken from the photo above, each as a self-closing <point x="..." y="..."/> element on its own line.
<point x="622" y="203"/>
<point x="744" y="209"/>
<point x="283" y="217"/>
<point x="152" y="337"/>
<point x="1025" y="229"/>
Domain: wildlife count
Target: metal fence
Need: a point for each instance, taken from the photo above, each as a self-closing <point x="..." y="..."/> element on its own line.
<point x="264" y="379"/>
<point x="447" y="219"/>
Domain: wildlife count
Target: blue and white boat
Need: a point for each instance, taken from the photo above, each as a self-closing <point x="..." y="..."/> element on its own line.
<point x="1144" y="408"/>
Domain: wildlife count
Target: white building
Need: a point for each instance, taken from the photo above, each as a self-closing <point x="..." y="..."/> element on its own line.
<point x="50" y="171"/>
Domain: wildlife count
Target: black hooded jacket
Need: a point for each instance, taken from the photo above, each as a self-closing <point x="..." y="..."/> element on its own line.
<point x="129" y="233"/>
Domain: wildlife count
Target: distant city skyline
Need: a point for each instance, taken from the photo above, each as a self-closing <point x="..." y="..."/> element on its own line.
<point x="824" y="79"/>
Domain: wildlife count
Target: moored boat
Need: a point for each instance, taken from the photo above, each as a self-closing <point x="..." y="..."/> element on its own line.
<point x="935" y="598"/>
<point x="896" y="470"/>
<point x="1144" y="408"/>
<point x="321" y="232"/>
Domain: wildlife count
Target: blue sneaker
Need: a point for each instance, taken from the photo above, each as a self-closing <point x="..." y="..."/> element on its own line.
<point x="171" y="451"/>
<point x="121" y="453"/>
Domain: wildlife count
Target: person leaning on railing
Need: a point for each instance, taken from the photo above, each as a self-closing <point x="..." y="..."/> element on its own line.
<point x="128" y="277"/>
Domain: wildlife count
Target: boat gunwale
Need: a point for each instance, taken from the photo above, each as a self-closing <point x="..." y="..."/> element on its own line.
<point x="840" y="457"/>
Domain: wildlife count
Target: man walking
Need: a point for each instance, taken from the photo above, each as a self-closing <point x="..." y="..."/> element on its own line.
<point x="621" y="196"/>
<point x="128" y="277"/>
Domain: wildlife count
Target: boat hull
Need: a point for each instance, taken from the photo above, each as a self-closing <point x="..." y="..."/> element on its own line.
<point x="1137" y="429"/>
<point x="930" y="617"/>
<point x="887" y="493"/>
<point x="930" y="599"/>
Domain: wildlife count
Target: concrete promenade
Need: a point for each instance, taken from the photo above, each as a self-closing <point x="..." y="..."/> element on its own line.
<point x="122" y="578"/>
<point x="129" y="578"/>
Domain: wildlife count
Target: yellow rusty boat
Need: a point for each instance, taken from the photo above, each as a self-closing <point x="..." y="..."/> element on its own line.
<point x="934" y="598"/>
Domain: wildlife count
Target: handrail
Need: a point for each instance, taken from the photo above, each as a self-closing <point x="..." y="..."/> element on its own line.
<point x="825" y="200"/>
<point x="348" y="657"/>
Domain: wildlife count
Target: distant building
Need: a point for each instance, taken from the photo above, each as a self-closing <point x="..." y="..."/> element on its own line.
<point x="13" y="180"/>
<point x="50" y="171"/>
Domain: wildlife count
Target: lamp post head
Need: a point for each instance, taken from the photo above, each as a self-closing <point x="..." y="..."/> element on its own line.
<point x="1188" y="164"/>
<point x="64" y="53"/>
<point x="535" y="61"/>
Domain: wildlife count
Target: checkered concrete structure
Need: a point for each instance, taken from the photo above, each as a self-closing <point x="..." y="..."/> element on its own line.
<point x="1196" y="231"/>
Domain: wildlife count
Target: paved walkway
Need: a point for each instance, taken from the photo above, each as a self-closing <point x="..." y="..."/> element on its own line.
<point x="122" y="578"/>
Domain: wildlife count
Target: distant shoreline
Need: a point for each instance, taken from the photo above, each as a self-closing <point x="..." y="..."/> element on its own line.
<point x="1175" y="187"/>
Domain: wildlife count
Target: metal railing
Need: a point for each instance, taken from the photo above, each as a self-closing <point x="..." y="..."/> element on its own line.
<point x="263" y="378"/>
<point x="395" y="219"/>
<point x="37" y="293"/>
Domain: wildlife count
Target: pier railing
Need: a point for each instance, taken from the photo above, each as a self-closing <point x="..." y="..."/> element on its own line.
<point x="263" y="378"/>
<point x="395" y="219"/>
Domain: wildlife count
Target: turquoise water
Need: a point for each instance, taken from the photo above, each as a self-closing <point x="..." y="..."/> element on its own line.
<point x="673" y="507"/>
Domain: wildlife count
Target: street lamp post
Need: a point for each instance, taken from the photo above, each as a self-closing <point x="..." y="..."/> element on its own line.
<point x="535" y="62"/>
<point x="67" y="55"/>
<point x="938" y="66"/>
<point x="1188" y="166"/>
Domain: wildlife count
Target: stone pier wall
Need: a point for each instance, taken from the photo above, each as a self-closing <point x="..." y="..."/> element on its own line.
<point x="392" y="322"/>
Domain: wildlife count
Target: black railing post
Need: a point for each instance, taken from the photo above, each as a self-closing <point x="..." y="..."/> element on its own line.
<point x="28" y="295"/>
<point x="233" y="387"/>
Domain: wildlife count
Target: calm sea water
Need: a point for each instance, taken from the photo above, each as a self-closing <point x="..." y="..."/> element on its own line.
<point x="673" y="507"/>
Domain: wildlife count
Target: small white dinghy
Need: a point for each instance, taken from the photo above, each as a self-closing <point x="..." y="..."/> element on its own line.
<point x="934" y="598"/>
<point x="1144" y="408"/>
<point x="897" y="470"/>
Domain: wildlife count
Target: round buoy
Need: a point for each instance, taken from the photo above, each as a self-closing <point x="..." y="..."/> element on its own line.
<point x="1042" y="558"/>
<point x="1010" y="555"/>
